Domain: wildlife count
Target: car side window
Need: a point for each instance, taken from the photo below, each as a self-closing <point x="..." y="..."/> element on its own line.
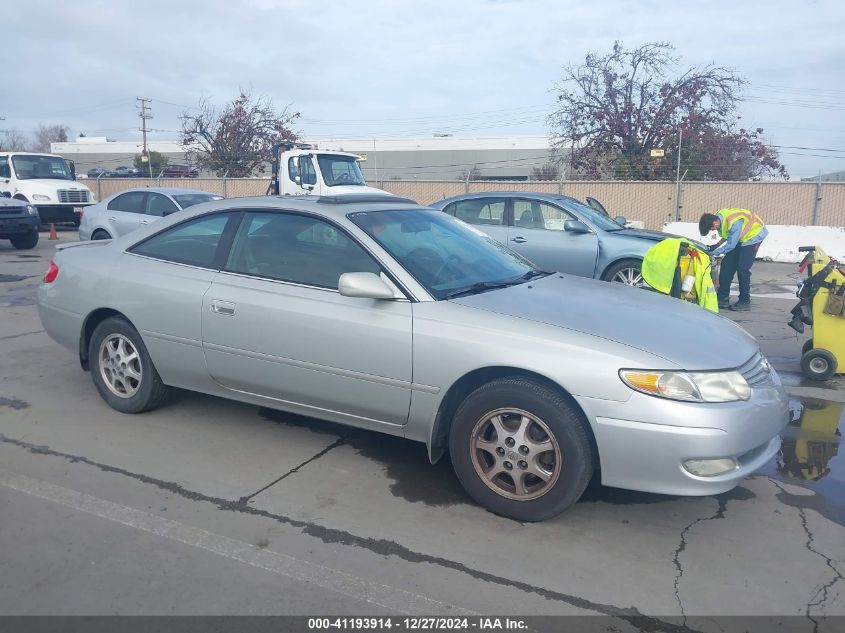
<point x="533" y="214"/>
<point x="160" y="205"/>
<point x="296" y="248"/>
<point x="309" y="175"/>
<point x="5" y="172"/>
<point x="479" y="211"/>
<point x="194" y="242"/>
<point x="130" y="202"/>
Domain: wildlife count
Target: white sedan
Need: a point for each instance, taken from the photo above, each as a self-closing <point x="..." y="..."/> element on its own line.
<point x="130" y="209"/>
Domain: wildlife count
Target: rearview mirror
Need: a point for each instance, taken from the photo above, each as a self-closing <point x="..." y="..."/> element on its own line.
<point x="575" y="226"/>
<point x="363" y="286"/>
<point x="620" y="220"/>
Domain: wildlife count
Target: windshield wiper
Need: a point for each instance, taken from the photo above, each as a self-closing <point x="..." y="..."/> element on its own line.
<point x="483" y="286"/>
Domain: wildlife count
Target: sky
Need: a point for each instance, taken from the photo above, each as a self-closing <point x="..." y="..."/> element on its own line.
<point x="382" y="68"/>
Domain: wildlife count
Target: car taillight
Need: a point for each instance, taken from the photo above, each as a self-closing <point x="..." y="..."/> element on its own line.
<point x="51" y="274"/>
<point x="81" y="213"/>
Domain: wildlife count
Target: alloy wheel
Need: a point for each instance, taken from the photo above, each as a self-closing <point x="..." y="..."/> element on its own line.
<point x="120" y="366"/>
<point x="515" y="454"/>
<point x="630" y="277"/>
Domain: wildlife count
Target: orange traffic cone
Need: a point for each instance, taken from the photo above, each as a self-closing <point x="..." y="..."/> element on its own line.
<point x="53" y="235"/>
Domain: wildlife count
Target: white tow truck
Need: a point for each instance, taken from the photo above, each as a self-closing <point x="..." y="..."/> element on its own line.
<point x="299" y="169"/>
<point x="46" y="181"/>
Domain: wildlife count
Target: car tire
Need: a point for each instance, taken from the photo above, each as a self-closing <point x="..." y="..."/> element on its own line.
<point x="122" y="369"/>
<point x="100" y="234"/>
<point x="626" y="271"/>
<point x="26" y="241"/>
<point x="818" y="364"/>
<point x="807" y="346"/>
<point x="485" y="461"/>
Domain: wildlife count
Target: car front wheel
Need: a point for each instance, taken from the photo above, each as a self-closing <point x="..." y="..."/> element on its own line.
<point x="628" y="272"/>
<point x="26" y="241"/>
<point x="520" y="449"/>
<point x="122" y="369"/>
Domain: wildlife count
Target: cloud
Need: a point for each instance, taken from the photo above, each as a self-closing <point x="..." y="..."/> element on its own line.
<point x="381" y="67"/>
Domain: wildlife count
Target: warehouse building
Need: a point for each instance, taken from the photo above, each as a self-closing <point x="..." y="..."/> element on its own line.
<point x="441" y="157"/>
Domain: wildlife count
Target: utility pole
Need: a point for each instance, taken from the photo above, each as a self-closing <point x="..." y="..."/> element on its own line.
<point x="145" y="114"/>
<point x="678" y="177"/>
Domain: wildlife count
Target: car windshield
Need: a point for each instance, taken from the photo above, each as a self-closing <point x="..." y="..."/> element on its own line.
<point x="340" y="170"/>
<point x="50" y="167"/>
<point x="596" y="218"/>
<point x="445" y="255"/>
<point x="186" y="200"/>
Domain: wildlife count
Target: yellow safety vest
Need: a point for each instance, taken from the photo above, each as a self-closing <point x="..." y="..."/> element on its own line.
<point x="661" y="261"/>
<point x="752" y="223"/>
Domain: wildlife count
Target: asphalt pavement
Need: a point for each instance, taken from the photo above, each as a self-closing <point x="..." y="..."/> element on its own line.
<point x="207" y="506"/>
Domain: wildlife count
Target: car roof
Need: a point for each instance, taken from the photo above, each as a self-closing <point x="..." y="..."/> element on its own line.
<point x="329" y="206"/>
<point x="536" y="195"/>
<point x="170" y="191"/>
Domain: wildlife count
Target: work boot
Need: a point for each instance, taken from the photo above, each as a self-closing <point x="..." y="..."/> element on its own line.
<point x="741" y="306"/>
<point x="724" y="305"/>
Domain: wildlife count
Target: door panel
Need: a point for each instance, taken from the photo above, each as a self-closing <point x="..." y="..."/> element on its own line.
<point x="537" y="233"/>
<point x="274" y="324"/>
<point x="309" y="346"/>
<point x="126" y="212"/>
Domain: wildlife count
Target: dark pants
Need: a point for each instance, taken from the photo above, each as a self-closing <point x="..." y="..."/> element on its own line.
<point x="737" y="262"/>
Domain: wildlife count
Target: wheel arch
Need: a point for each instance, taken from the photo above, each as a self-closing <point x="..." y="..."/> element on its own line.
<point x="618" y="260"/>
<point x="91" y="322"/>
<point x="20" y="196"/>
<point x="469" y="382"/>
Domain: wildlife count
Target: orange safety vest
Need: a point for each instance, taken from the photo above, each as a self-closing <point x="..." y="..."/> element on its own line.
<point x="752" y="223"/>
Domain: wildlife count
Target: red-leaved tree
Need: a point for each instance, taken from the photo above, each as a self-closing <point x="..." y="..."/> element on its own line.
<point x="237" y="140"/>
<point x="614" y="109"/>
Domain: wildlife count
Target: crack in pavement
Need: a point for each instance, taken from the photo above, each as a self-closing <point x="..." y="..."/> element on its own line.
<point x="382" y="547"/>
<point x="824" y="590"/>
<point x="338" y="442"/>
<point x="720" y="514"/>
<point x="6" y="338"/>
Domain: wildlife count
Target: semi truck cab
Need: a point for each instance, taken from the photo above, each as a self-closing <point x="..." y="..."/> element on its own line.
<point x="299" y="169"/>
<point x="46" y="181"/>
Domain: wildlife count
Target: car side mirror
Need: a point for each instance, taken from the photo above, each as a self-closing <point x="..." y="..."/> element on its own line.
<point x="575" y="226"/>
<point x="364" y="286"/>
<point x="620" y="220"/>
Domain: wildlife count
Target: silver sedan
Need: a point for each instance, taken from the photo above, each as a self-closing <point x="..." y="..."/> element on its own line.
<point x="381" y="314"/>
<point x="558" y="233"/>
<point x="132" y="208"/>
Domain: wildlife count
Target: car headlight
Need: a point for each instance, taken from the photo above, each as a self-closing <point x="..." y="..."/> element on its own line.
<point x="31" y="210"/>
<point x="40" y="197"/>
<point x="704" y="386"/>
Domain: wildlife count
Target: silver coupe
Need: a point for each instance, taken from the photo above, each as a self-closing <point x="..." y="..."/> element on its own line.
<point x="379" y="313"/>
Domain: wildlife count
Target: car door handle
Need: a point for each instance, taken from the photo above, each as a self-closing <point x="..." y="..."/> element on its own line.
<point x="224" y="308"/>
<point x="145" y="221"/>
<point x="518" y="239"/>
<point x="112" y="218"/>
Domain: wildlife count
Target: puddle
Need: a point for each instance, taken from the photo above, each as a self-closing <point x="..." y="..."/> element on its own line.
<point x="20" y="296"/>
<point x="813" y="457"/>
<point x="405" y="462"/>
<point x="9" y="278"/>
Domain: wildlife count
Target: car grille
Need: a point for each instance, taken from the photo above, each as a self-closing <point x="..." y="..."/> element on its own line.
<point x="71" y="196"/>
<point x="757" y="371"/>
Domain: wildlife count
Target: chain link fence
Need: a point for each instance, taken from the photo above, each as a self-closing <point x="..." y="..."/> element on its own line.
<point x="654" y="203"/>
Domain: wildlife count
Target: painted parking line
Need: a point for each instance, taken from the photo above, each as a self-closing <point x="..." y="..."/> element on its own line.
<point x="392" y="598"/>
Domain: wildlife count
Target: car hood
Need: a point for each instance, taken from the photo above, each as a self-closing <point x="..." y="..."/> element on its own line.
<point x="51" y="185"/>
<point x="656" y="236"/>
<point x="11" y="202"/>
<point x="338" y="190"/>
<point x="679" y="332"/>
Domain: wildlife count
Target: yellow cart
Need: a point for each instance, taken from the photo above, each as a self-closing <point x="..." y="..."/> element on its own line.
<point x="824" y="354"/>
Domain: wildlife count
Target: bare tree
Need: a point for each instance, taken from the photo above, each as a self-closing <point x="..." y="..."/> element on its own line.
<point x="45" y="135"/>
<point x="14" y="141"/>
<point x="471" y="174"/>
<point x="236" y="140"/>
<point x="615" y="108"/>
<point x="547" y="171"/>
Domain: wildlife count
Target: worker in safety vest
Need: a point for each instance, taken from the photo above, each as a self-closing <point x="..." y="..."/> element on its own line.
<point x="741" y="231"/>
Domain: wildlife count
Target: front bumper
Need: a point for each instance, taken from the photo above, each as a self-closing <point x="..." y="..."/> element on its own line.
<point x="18" y="224"/>
<point x="643" y="442"/>
<point x="59" y="212"/>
